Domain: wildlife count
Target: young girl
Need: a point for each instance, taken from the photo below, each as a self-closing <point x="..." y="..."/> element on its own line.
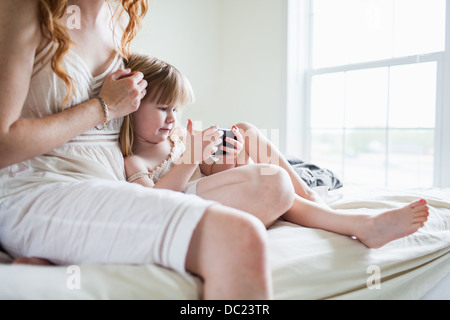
<point x="159" y="154"/>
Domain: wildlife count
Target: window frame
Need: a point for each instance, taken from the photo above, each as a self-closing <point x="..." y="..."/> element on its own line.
<point x="301" y="73"/>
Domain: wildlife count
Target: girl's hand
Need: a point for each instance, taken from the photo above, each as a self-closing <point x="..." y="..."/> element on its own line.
<point x="200" y="146"/>
<point x="238" y="145"/>
<point x="123" y="91"/>
<point x="232" y="153"/>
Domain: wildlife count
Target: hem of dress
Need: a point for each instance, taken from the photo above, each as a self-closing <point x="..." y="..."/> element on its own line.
<point x="183" y="228"/>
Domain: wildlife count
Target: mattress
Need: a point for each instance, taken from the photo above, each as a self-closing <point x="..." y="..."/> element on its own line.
<point x="306" y="263"/>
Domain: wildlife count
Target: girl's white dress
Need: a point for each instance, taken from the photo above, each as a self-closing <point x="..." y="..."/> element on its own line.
<point x="72" y="205"/>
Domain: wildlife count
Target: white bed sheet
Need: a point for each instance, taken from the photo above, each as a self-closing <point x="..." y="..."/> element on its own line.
<point x="441" y="291"/>
<point x="306" y="263"/>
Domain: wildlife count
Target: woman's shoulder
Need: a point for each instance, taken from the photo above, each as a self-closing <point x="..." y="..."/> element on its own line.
<point x="20" y="22"/>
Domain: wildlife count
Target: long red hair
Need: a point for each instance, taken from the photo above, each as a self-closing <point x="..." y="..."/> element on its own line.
<point x="50" y="13"/>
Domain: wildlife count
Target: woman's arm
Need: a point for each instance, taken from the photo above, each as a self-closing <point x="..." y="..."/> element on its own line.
<point x="22" y="139"/>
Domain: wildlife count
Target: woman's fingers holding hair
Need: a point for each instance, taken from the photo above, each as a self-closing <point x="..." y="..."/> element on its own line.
<point x="123" y="91"/>
<point x="120" y="74"/>
<point x="142" y="85"/>
<point x="139" y="85"/>
<point x="136" y="77"/>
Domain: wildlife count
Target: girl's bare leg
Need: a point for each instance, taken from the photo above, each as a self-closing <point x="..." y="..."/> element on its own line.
<point x="261" y="150"/>
<point x="228" y="251"/>
<point x="309" y="210"/>
<point x="246" y="188"/>
<point x="374" y="231"/>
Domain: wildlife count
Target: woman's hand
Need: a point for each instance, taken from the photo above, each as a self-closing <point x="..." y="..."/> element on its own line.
<point x="123" y="91"/>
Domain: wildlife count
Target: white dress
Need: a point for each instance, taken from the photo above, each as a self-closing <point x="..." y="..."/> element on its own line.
<point x="72" y="205"/>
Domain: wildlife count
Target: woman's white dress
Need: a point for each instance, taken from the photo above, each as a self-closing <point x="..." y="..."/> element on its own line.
<point x="72" y="205"/>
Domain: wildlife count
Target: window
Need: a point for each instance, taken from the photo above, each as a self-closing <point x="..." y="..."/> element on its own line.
<point x="374" y="84"/>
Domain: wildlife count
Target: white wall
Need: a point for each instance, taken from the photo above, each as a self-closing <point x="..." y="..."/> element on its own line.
<point x="233" y="51"/>
<point x="185" y="34"/>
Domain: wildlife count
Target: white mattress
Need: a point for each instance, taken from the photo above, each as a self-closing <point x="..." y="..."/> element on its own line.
<point x="306" y="263"/>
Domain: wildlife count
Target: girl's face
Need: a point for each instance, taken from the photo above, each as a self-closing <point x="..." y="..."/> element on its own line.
<point x="153" y="123"/>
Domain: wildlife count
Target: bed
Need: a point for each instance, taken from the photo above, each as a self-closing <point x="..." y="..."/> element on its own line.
<point x="306" y="263"/>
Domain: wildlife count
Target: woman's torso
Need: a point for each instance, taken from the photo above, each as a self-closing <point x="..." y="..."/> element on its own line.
<point x="93" y="154"/>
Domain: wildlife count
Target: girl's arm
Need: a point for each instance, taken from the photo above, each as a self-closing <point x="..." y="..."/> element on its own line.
<point x="176" y="179"/>
<point x="22" y="139"/>
<point x="199" y="147"/>
<point x="135" y="165"/>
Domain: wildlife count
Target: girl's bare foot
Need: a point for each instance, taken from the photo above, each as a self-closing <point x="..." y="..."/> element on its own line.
<point x="395" y="224"/>
<point x="32" y="261"/>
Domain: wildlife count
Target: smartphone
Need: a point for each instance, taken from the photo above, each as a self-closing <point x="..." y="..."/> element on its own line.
<point x="226" y="133"/>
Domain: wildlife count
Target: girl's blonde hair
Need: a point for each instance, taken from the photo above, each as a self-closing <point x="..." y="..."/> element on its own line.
<point x="50" y="13"/>
<point x="166" y="86"/>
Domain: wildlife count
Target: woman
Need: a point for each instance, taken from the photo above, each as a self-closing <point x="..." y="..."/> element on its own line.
<point x="62" y="191"/>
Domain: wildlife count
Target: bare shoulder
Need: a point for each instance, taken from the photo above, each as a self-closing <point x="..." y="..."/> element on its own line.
<point x="19" y="20"/>
<point x="20" y="36"/>
<point x="20" y="32"/>
<point x="134" y="164"/>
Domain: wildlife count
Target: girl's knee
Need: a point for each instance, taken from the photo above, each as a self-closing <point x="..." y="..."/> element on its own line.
<point x="249" y="132"/>
<point x="276" y="186"/>
<point x="246" y="126"/>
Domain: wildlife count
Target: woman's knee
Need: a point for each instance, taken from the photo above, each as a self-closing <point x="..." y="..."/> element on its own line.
<point x="226" y="239"/>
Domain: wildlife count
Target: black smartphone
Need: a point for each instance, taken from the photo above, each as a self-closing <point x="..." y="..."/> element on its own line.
<point x="226" y="133"/>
